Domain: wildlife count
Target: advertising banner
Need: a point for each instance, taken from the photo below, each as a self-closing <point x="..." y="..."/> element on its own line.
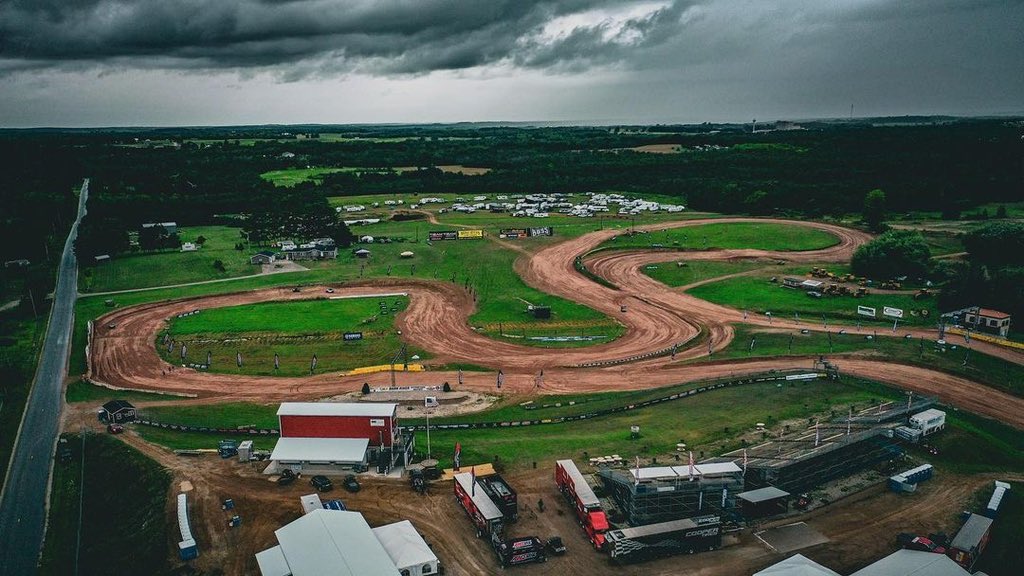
<point x="353" y="336"/>
<point x="442" y="235"/>
<point x="542" y="231"/>
<point x="892" y="312"/>
<point x="866" y="311"/>
<point x="513" y="233"/>
<point x="463" y="234"/>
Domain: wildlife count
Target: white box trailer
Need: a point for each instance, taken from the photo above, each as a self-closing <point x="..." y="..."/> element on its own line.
<point x="929" y="421"/>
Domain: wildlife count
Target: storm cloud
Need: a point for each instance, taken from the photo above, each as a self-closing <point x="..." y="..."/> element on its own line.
<point x="439" y="60"/>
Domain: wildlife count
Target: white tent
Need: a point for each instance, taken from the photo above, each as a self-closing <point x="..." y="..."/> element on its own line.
<point x="366" y="239"/>
<point x="797" y="565"/>
<point x="406" y="548"/>
<point x="407" y="254"/>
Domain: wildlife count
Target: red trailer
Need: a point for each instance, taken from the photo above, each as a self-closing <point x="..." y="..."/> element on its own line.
<point x="481" y="510"/>
<point x="585" y="503"/>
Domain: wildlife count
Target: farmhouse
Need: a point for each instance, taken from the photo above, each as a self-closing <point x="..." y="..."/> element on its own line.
<point x="987" y="320"/>
<point x="117" y="412"/>
<point x="19" y="263"/>
<point x="337" y="436"/>
<point x="309" y="251"/>
<point x="169" y="227"/>
<point x="263" y="257"/>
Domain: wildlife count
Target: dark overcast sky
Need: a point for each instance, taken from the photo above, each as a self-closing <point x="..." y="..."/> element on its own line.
<point x="172" y="62"/>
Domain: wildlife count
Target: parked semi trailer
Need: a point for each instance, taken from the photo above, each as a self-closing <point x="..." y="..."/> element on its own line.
<point x="501" y="494"/>
<point x="686" y="536"/>
<point x="484" y="514"/>
<point x="584" y="502"/>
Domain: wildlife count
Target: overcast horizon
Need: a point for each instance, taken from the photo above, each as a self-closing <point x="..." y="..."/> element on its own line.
<point x="155" y="63"/>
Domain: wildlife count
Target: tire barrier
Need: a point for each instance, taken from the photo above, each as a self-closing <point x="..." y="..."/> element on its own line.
<point x="637" y="358"/>
<point x="250" y="431"/>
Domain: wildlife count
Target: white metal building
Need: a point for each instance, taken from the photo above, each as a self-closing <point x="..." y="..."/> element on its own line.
<point x="327" y="543"/>
<point x="929" y="421"/>
<point x="407" y="549"/>
<point x="322" y="454"/>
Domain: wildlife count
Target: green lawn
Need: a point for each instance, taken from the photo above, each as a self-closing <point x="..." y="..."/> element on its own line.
<point x="173" y="267"/>
<point x="671" y="274"/>
<point x="20" y="340"/>
<point x="291" y="176"/>
<point x="989" y="370"/>
<point x="756" y="294"/>
<point x="943" y="243"/>
<point x="124" y="528"/>
<point x="295" y="331"/>
<point x="82" y="391"/>
<point x="760" y="235"/>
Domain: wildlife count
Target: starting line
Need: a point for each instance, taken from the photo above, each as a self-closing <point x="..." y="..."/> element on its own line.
<point x="381" y="295"/>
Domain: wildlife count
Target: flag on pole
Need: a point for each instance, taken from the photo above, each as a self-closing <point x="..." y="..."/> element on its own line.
<point x="238" y="359"/>
<point x="539" y="380"/>
<point x="460" y="376"/>
<point x="277" y="362"/>
<point x="312" y="364"/>
<point x="817" y="433"/>
<point x="209" y="358"/>
<point x="636" y="476"/>
<point x="725" y="494"/>
<point x="472" y="481"/>
<point x="170" y="346"/>
<point x="184" y="350"/>
<point x="458" y="455"/>
<point x="691" y="465"/>
<point x="501" y="378"/>
<point x="744" y="461"/>
<point x="166" y="337"/>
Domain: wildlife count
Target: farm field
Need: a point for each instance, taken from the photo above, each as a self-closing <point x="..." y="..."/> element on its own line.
<point x="166" y="268"/>
<point x="295" y="331"/>
<point x="757" y="295"/>
<point x="764" y="236"/>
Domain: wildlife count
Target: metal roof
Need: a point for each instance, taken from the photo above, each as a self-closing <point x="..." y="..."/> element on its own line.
<point x="483" y="503"/>
<point x="377" y="409"/>
<point x="662" y="527"/>
<point x="332" y="542"/>
<point x="971" y="533"/>
<point x="404" y="545"/>
<point x="272" y="563"/>
<point x="311" y="502"/>
<point x="762" y="494"/>
<point x="671" y="472"/>
<point x="117" y="405"/>
<point x="798" y="565"/>
<point x="583" y="490"/>
<point x="320" y="449"/>
<point x="913" y="563"/>
<point x="927" y="415"/>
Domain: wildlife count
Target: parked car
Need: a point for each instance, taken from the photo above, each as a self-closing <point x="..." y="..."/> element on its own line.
<point x="321" y="483"/>
<point x="286" y="477"/>
<point x="115" y="428"/>
<point x="556" y="546"/>
<point x="915" y="542"/>
<point x="351" y="484"/>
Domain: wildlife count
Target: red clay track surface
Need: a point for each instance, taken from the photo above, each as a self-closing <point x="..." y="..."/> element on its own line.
<point x="436" y="319"/>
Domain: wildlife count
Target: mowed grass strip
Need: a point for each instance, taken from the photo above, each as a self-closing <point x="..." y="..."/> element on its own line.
<point x="758" y="295"/>
<point x="757" y="235"/>
<point x="295" y="331"/>
<point x="989" y="370"/>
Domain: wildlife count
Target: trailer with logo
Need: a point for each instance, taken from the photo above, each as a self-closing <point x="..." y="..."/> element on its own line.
<point x="484" y="514"/>
<point x="503" y="496"/>
<point x="518" y="551"/>
<point x="585" y="503"/>
<point x="687" y="536"/>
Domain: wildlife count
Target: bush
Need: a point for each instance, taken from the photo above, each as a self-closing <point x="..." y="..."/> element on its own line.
<point x="447" y="387"/>
<point x="366" y="387"/>
<point x="893" y="254"/>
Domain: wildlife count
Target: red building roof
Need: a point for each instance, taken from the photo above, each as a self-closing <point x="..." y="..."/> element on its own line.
<point x="995" y="314"/>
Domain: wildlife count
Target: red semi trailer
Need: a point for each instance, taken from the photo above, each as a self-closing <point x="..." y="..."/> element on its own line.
<point x="585" y="503"/>
<point x="485" y="515"/>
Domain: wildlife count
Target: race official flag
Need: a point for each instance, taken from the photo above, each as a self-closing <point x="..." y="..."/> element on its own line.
<point x="501" y="378"/>
<point x="277" y="362"/>
<point x="238" y="359"/>
<point x="458" y="455"/>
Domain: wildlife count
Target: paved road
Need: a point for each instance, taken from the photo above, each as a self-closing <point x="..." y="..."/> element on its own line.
<point x="23" y="504"/>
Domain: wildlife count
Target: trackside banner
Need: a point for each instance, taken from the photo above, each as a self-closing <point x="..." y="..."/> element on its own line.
<point x="353" y="336"/>
<point x="866" y="311"/>
<point x="464" y="234"/>
<point x="513" y="233"/>
<point x="443" y="235"/>
<point x="542" y="231"/>
<point x="892" y="312"/>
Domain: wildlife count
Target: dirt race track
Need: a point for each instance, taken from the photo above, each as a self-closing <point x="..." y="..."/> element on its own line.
<point x="657" y="318"/>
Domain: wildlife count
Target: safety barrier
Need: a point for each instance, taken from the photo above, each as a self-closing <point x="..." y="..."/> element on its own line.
<point x="385" y="368"/>
<point x="987" y="338"/>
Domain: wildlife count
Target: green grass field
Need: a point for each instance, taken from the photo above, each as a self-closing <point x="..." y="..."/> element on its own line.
<point x="671" y="274"/>
<point x="292" y="176"/>
<point x="295" y="331"/>
<point x="82" y="391"/>
<point x="764" y="236"/>
<point x="757" y="295"/>
<point x="124" y="529"/>
<point x="173" y="267"/>
<point x="989" y="370"/>
<point x="20" y="340"/>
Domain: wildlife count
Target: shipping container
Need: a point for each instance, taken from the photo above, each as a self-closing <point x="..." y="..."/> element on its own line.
<point x="686" y="536"/>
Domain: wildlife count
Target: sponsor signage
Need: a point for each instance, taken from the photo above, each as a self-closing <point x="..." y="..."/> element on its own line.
<point x="353" y="336"/>
<point x="809" y="376"/>
<point x="866" y="311"/>
<point x="892" y="312"/>
<point x="470" y="234"/>
<point x="443" y="235"/>
<point x="513" y="233"/>
<point x="376" y="421"/>
<point x="542" y="231"/>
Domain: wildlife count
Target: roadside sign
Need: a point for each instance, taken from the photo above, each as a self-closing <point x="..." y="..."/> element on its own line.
<point x="866" y="311"/>
<point x="892" y="312"/>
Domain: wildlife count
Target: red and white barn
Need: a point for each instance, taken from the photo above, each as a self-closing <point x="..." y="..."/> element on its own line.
<point x="340" y="436"/>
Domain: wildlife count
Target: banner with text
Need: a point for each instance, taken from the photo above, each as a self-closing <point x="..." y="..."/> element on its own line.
<point x="892" y="312"/>
<point x="866" y="311"/>
<point x="463" y="234"/>
<point x="442" y="235"/>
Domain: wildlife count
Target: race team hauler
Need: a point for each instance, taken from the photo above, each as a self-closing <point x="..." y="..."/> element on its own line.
<point x="665" y="539"/>
<point x="517" y="551"/>
<point x="503" y="496"/>
<point x="584" y="502"/>
<point x="484" y="514"/>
